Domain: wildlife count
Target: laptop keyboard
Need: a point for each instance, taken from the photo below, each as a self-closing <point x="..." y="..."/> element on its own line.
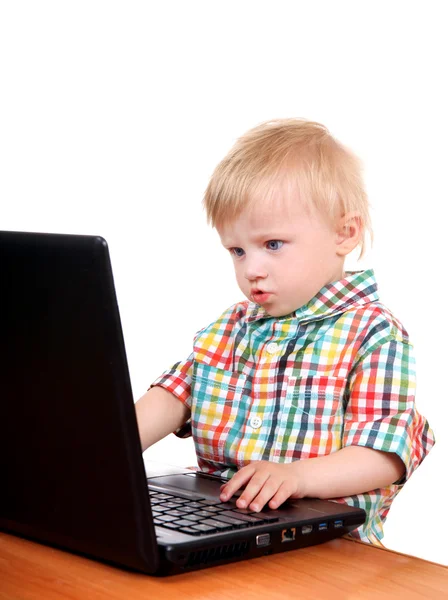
<point x="201" y="516"/>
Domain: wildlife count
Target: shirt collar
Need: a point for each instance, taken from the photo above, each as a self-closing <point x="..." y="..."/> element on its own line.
<point x="356" y="289"/>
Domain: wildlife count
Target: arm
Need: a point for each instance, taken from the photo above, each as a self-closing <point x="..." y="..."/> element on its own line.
<point x="351" y="470"/>
<point x="159" y="413"/>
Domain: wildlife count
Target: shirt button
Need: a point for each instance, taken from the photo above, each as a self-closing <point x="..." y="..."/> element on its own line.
<point x="255" y="422"/>
<point x="272" y="348"/>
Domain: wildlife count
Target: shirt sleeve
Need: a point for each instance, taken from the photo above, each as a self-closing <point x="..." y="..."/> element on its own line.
<point x="177" y="380"/>
<point x="381" y="413"/>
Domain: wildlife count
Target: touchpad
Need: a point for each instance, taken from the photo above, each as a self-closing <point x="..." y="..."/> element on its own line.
<point x="200" y="486"/>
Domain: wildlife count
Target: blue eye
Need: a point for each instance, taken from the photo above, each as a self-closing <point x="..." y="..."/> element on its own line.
<point x="239" y="252"/>
<point x="274" y="244"/>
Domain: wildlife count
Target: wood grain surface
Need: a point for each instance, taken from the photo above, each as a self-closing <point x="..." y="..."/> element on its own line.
<point x="339" y="569"/>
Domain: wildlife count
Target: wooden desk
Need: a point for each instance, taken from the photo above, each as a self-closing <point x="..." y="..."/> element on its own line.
<point x="340" y="569"/>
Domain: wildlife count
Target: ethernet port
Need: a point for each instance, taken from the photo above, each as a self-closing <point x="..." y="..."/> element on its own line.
<point x="289" y="535"/>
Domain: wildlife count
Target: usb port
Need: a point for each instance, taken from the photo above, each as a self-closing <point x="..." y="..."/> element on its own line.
<point x="338" y="524"/>
<point x="306" y="529"/>
<point x="323" y="526"/>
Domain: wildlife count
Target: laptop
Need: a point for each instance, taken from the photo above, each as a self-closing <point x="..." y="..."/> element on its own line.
<point x="71" y="464"/>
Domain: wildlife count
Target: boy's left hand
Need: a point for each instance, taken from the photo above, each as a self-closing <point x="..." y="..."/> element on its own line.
<point x="266" y="482"/>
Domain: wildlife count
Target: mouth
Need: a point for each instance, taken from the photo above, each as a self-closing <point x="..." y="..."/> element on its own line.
<point x="260" y="297"/>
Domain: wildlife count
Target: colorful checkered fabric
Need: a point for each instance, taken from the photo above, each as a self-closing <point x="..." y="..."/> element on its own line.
<point x="337" y="372"/>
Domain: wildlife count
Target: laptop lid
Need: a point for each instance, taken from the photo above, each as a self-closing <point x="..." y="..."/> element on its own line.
<point x="64" y="377"/>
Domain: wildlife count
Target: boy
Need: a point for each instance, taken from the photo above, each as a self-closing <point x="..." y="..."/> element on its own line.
<point x="307" y="388"/>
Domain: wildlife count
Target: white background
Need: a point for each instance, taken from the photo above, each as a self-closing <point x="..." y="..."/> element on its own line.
<point x="114" y="114"/>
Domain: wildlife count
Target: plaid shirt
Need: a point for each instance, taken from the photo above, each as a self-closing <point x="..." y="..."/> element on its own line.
<point x="337" y="372"/>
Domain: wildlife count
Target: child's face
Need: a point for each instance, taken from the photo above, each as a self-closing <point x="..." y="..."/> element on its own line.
<point x="282" y="255"/>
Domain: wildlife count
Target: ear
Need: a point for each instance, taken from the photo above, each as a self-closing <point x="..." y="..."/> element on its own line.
<point x="348" y="233"/>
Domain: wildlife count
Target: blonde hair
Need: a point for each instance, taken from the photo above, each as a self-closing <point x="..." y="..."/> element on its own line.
<point x="293" y="155"/>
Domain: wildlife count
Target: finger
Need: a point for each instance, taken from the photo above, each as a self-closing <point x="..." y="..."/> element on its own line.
<point x="237" y="481"/>
<point x="284" y="492"/>
<point x="257" y="483"/>
<point x="265" y="494"/>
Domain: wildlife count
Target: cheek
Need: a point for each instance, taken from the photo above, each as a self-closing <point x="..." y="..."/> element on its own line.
<point x="239" y="274"/>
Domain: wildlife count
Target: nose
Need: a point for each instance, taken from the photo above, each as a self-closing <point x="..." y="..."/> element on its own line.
<point x="254" y="269"/>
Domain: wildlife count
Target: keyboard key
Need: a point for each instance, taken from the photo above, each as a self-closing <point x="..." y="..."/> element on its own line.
<point x="162" y="517"/>
<point x="157" y="501"/>
<point x="188" y="509"/>
<point x="159" y="495"/>
<point x="168" y="525"/>
<point x="214" y="509"/>
<point x="204" y="528"/>
<point x="203" y="513"/>
<point x="217" y="524"/>
<point x="176" y="512"/>
<point x="231" y="521"/>
<point x="193" y="517"/>
<point x="182" y="523"/>
<point x="242" y="517"/>
<point x="189" y="530"/>
<point x="267" y="518"/>
<point x="226" y="505"/>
